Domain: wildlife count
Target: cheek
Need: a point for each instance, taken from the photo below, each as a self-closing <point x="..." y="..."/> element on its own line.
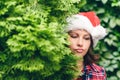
<point x="87" y="45"/>
<point x="72" y="43"/>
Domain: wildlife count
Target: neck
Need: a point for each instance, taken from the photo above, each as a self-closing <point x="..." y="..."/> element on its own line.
<point x="80" y="65"/>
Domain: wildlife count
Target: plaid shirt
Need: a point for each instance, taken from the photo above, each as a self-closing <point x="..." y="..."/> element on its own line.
<point x="93" y="72"/>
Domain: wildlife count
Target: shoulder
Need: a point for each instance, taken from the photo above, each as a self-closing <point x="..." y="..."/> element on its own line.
<point x="95" y="71"/>
<point x="95" y="68"/>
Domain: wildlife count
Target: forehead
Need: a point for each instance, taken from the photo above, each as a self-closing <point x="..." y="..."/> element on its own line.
<point x="79" y="31"/>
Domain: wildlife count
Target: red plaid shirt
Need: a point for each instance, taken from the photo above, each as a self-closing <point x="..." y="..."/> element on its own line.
<point x="93" y="72"/>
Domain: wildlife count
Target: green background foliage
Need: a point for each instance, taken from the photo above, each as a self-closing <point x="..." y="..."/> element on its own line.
<point x="34" y="47"/>
<point x="109" y="48"/>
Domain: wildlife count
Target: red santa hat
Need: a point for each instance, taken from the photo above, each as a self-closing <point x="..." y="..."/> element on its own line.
<point x="88" y="21"/>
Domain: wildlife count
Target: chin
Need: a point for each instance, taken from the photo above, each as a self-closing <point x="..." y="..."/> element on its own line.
<point x="78" y="54"/>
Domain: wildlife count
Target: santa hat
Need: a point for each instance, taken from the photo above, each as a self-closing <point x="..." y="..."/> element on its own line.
<point x="88" y="21"/>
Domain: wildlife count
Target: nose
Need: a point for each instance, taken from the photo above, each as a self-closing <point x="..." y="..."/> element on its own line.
<point x="80" y="42"/>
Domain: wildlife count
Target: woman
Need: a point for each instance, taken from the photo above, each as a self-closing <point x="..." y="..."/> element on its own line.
<point x="84" y="31"/>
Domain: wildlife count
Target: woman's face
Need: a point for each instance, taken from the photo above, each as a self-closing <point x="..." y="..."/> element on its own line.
<point x="79" y="42"/>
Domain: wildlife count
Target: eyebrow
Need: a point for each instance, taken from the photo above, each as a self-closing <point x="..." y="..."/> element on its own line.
<point x="71" y="32"/>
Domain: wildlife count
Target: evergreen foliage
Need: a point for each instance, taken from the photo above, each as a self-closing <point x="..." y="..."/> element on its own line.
<point x="33" y="45"/>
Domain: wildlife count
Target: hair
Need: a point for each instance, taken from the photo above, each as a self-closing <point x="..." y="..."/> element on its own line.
<point x="90" y="57"/>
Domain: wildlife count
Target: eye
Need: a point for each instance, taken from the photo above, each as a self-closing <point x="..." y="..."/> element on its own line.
<point x="87" y="38"/>
<point x="73" y="35"/>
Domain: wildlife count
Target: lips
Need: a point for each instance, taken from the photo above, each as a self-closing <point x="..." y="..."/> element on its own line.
<point x="79" y="50"/>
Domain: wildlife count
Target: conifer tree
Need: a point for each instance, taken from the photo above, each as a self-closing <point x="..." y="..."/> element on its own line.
<point x="33" y="44"/>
